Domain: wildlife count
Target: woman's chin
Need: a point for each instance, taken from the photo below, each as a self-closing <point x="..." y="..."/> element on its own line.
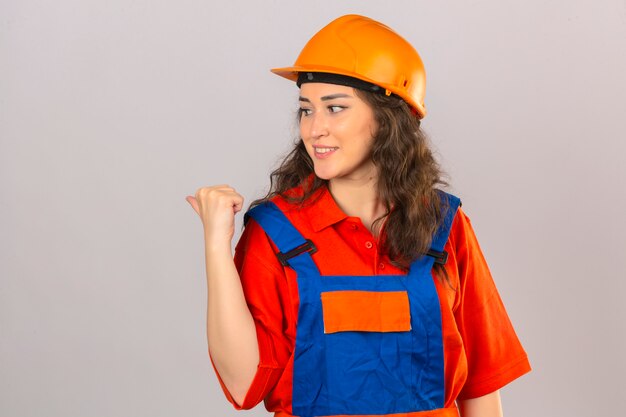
<point x="324" y="175"/>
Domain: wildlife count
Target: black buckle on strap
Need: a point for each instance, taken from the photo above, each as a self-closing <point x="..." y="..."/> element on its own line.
<point x="440" y="257"/>
<point x="308" y="246"/>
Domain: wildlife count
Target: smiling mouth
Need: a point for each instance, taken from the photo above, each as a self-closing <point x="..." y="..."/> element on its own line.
<point x="323" y="151"/>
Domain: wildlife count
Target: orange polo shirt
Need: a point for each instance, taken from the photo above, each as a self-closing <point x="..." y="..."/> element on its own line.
<point x="481" y="350"/>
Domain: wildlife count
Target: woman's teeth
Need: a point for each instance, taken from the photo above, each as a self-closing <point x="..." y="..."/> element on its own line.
<point x="324" y="150"/>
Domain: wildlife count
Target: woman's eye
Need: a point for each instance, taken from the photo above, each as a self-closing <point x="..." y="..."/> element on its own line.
<point x="335" y="109"/>
<point x="304" y="112"/>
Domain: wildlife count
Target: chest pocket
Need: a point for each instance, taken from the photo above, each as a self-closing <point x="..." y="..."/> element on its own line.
<point x="366" y="311"/>
<point x="368" y="350"/>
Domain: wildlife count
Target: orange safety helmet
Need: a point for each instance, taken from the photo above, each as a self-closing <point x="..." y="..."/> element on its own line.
<point x="362" y="48"/>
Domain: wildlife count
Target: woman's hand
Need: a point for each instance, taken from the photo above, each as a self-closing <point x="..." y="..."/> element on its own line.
<point x="217" y="206"/>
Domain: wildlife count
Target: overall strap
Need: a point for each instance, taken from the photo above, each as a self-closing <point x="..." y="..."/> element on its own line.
<point x="285" y="236"/>
<point x="441" y="237"/>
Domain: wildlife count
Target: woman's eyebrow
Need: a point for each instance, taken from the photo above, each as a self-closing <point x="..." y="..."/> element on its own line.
<point x="333" y="96"/>
<point x="326" y="98"/>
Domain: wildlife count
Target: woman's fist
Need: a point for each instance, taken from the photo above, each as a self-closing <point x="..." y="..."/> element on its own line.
<point x="217" y="206"/>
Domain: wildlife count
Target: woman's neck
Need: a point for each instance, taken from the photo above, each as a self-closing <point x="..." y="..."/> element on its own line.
<point x="358" y="198"/>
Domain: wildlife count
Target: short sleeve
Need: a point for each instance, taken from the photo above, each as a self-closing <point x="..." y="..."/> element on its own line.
<point x="267" y="295"/>
<point x="494" y="353"/>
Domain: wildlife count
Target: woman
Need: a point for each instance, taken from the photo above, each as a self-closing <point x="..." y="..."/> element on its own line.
<point x="357" y="287"/>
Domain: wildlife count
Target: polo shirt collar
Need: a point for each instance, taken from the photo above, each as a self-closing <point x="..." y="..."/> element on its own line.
<point x="324" y="211"/>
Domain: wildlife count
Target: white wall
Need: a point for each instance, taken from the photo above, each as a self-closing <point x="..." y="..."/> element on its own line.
<point x="111" y="112"/>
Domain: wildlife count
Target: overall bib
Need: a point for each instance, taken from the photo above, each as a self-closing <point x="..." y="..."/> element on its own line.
<point x="365" y="345"/>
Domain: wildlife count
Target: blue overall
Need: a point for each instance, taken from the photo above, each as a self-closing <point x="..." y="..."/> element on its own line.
<point x="363" y="372"/>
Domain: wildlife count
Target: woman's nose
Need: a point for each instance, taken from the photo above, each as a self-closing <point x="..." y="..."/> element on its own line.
<point x="319" y="125"/>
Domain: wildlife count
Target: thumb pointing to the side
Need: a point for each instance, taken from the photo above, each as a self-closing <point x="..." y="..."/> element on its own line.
<point x="194" y="203"/>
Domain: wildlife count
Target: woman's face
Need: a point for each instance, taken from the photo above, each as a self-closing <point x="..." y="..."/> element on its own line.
<point x="337" y="128"/>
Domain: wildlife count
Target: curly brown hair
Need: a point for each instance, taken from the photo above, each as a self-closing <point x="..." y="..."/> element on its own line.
<point x="408" y="178"/>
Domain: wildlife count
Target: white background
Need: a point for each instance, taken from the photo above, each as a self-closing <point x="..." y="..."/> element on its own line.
<point x="111" y="112"/>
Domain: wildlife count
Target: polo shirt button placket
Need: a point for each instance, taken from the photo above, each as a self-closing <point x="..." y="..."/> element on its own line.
<point x="369" y="245"/>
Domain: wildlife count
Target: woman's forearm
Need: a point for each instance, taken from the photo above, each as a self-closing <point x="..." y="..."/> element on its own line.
<point x="485" y="406"/>
<point x="231" y="331"/>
